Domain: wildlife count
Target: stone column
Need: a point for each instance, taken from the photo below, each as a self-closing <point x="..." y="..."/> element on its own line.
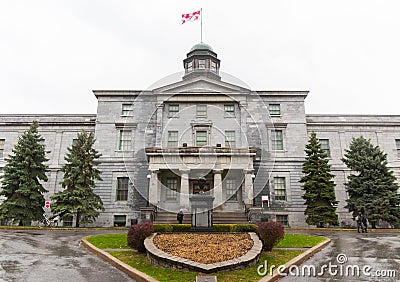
<point x="243" y="126"/>
<point x="247" y="192"/>
<point x="159" y="126"/>
<point x="184" y="193"/>
<point x="217" y="191"/>
<point x="154" y="187"/>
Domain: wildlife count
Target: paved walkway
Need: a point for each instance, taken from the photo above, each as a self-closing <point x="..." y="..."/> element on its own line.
<point x="380" y="251"/>
<point x="47" y="255"/>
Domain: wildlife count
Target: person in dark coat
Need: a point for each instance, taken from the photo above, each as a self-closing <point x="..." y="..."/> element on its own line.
<point x="179" y="216"/>
<point x="358" y="220"/>
<point x="364" y="223"/>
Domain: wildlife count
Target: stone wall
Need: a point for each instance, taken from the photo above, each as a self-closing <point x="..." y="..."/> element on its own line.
<point x="58" y="132"/>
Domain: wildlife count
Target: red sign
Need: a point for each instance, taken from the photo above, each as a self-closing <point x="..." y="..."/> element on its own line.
<point x="47" y="204"/>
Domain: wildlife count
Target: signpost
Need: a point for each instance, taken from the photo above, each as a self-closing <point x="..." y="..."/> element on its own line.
<point x="265" y="200"/>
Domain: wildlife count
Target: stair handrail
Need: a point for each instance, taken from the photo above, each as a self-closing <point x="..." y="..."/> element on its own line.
<point x="246" y="210"/>
<point x="156" y="208"/>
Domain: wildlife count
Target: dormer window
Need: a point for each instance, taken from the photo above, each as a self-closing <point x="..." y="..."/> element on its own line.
<point x="202" y="64"/>
<point x="190" y="66"/>
<point x="213" y="66"/>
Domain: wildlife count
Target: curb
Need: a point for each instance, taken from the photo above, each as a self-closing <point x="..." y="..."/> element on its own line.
<point x="296" y="261"/>
<point x="370" y="230"/>
<point x="129" y="270"/>
<point x="159" y="257"/>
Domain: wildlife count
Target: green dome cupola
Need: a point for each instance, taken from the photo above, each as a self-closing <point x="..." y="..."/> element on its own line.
<point x="201" y="46"/>
<point x="201" y="61"/>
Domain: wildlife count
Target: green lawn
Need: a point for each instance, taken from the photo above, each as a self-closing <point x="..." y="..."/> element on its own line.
<point x="109" y="241"/>
<point x="118" y="241"/>
<point x="140" y="262"/>
<point x="299" y="241"/>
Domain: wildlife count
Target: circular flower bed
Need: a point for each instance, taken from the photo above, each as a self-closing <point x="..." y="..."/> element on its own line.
<point x="204" y="248"/>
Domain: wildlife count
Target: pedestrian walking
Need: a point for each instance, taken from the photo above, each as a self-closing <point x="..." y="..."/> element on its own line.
<point x="179" y="216"/>
<point x="358" y="220"/>
<point x="364" y="223"/>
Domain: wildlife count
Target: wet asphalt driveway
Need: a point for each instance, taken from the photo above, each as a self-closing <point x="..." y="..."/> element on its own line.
<point x="374" y="254"/>
<point x="46" y="255"/>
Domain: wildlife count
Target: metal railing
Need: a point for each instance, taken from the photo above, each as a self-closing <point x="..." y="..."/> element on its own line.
<point x="246" y="210"/>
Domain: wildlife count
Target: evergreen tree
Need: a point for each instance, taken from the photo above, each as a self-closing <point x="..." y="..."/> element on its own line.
<point x="23" y="173"/>
<point x="80" y="174"/>
<point x="318" y="186"/>
<point x="373" y="187"/>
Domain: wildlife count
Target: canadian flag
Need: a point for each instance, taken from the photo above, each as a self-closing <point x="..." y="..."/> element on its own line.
<point x="191" y="17"/>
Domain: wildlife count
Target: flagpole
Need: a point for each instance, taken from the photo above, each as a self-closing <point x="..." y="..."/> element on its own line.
<point x="201" y="25"/>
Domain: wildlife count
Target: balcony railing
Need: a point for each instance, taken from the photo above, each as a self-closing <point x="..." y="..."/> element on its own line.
<point x="196" y="150"/>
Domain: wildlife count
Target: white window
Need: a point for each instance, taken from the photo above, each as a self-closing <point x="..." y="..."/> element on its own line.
<point x="119" y="220"/>
<point x="325" y="146"/>
<point x="172" y="138"/>
<point x="229" y="110"/>
<point x="172" y="188"/>
<point x="274" y="109"/>
<point x="202" y="64"/>
<point x="231" y="190"/>
<point x="282" y="219"/>
<point x="397" y="147"/>
<point x="2" y="141"/>
<point x="122" y="188"/>
<point x="201" y="138"/>
<point x="201" y="110"/>
<point x="127" y="110"/>
<point x="277" y="139"/>
<point x="190" y="66"/>
<point x="280" y="188"/>
<point x="230" y="140"/>
<point x="125" y="140"/>
<point x="213" y="66"/>
<point x="173" y="110"/>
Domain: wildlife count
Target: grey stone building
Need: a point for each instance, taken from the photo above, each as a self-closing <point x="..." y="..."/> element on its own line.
<point x="248" y="145"/>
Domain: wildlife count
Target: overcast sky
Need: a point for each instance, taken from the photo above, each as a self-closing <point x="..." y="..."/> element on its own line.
<point x="53" y="53"/>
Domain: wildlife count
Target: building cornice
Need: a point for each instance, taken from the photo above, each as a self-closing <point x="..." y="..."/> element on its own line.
<point x="121" y="93"/>
<point x="352" y="120"/>
<point x="282" y="93"/>
<point x="48" y="119"/>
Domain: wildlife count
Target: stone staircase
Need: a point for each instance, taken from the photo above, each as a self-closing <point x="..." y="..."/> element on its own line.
<point x="169" y="217"/>
<point x="227" y="217"/>
<point x="219" y="217"/>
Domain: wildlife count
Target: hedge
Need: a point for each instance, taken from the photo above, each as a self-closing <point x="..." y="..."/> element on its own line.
<point x="222" y="228"/>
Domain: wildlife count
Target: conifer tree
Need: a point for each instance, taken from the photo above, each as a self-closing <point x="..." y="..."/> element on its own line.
<point x="318" y="186"/>
<point x="372" y="187"/>
<point x="80" y="174"/>
<point x="21" y="185"/>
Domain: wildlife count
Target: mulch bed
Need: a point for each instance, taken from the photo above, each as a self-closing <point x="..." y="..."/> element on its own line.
<point x="204" y="248"/>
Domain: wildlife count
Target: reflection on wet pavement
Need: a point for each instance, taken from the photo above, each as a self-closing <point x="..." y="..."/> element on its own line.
<point x="380" y="251"/>
<point x="38" y="255"/>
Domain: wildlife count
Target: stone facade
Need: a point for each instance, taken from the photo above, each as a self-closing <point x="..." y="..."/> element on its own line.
<point x="58" y="132"/>
<point x="156" y="144"/>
